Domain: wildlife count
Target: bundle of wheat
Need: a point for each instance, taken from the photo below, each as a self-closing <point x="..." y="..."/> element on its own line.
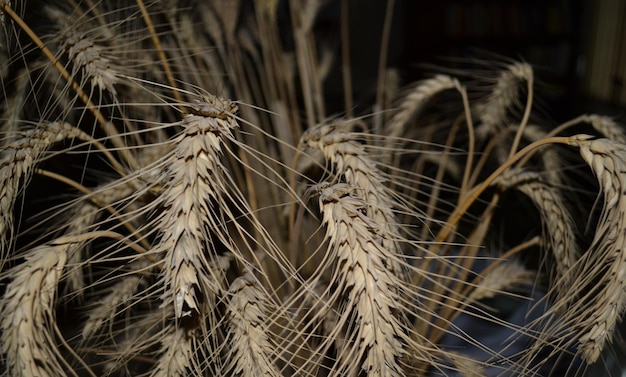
<point x="175" y="200"/>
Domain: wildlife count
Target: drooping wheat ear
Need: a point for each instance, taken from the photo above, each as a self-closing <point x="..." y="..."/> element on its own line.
<point x="17" y="163"/>
<point x="250" y="351"/>
<point x="369" y="284"/>
<point x="27" y="309"/>
<point x="191" y="225"/>
<point x="603" y="266"/>
<point x="501" y="278"/>
<point x="492" y="112"/>
<point x="559" y="228"/>
<point x="415" y="101"/>
<point x="351" y="164"/>
<point x="83" y="53"/>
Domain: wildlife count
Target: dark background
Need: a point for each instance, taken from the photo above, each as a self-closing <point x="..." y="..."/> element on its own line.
<point x="574" y="46"/>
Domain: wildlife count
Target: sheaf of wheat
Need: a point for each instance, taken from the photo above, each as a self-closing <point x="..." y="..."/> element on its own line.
<point x="176" y="200"/>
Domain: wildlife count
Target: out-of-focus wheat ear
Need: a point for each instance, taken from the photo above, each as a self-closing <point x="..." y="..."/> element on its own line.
<point x="607" y="127"/>
<point x="13" y="110"/>
<point x="414" y="101"/>
<point x="492" y="112"/>
<point x="17" y="162"/>
<point x="83" y="53"/>
<point x="369" y="284"/>
<point x="551" y="160"/>
<point x="191" y="225"/>
<point x="501" y="278"/>
<point x="250" y="351"/>
<point x="120" y="293"/>
<point x="27" y="311"/>
<point x="465" y="365"/>
<point x="177" y="353"/>
<point x="603" y="266"/>
<point x="559" y="228"/>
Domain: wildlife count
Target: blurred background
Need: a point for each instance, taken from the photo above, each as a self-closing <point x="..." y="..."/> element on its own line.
<point x="577" y="47"/>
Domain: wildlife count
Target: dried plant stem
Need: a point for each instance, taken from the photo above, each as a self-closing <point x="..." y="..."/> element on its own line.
<point x="160" y="52"/>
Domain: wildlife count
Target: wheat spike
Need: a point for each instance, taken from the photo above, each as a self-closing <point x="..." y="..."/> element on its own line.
<point x="607" y="127"/>
<point x="251" y="353"/>
<point x="16" y="166"/>
<point x="195" y="184"/>
<point x="176" y="353"/>
<point x="501" y="278"/>
<point x="492" y="112"/>
<point x="362" y="272"/>
<point x="605" y="259"/>
<point x="352" y="165"/>
<point x="27" y="309"/>
<point x="560" y="230"/>
<point x="84" y="54"/>
<point x="415" y="101"/>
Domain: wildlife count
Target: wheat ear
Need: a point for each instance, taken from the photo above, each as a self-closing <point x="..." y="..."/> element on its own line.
<point x="560" y="230"/>
<point x="177" y="353"/>
<point x="16" y="165"/>
<point x="605" y="260"/>
<point x="352" y="165"/>
<point x="84" y="54"/>
<point x="250" y="353"/>
<point x="492" y="112"/>
<point x="500" y="279"/>
<point x="27" y="309"/>
<point x="415" y="101"/>
<point x="196" y="182"/>
<point x="363" y="274"/>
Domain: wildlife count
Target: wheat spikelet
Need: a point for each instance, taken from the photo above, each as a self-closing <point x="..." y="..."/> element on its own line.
<point x="370" y="286"/>
<point x="251" y="353"/>
<point x="560" y="230"/>
<point x="195" y="184"/>
<point x="606" y="258"/>
<point x="27" y="309"/>
<point x="492" y="112"/>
